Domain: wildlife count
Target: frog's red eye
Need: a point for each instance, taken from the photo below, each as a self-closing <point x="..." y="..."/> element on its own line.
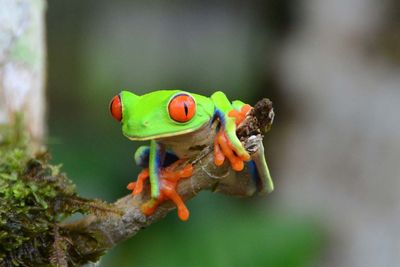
<point x="181" y="108"/>
<point x="116" y="108"/>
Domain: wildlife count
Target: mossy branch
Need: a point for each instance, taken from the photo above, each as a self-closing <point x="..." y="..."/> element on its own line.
<point x="36" y="197"/>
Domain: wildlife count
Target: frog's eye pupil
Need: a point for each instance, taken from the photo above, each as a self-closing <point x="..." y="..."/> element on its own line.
<point x="116" y="108"/>
<point x="182" y="108"/>
<point x="186" y="109"/>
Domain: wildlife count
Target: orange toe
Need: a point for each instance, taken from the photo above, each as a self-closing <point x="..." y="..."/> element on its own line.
<point x="240" y="115"/>
<point x="219" y="157"/>
<point x="237" y="165"/>
<point x="137" y="187"/>
<point x="131" y="186"/>
<point x="225" y="147"/>
<point x="183" y="213"/>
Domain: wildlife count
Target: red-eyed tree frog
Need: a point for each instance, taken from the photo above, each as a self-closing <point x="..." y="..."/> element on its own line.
<point x="178" y="125"/>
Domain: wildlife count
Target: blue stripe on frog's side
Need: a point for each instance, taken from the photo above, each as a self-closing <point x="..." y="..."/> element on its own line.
<point x="218" y="114"/>
<point x="142" y="155"/>
<point x="254" y="174"/>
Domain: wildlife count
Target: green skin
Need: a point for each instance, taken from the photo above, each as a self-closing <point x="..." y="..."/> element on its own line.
<point x="146" y="117"/>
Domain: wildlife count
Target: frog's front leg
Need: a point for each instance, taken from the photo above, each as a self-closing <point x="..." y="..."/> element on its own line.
<point x="163" y="180"/>
<point x="226" y="143"/>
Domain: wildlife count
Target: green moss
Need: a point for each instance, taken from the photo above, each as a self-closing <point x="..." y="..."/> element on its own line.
<point x="34" y="198"/>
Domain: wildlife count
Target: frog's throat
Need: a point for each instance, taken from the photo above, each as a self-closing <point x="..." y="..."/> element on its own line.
<point x="163" y="135"/>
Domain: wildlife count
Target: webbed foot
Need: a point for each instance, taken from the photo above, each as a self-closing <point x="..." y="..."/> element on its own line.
<point x="223" y="147"/>
<point x="239" y="115"/>
<point x="168" y="181"/>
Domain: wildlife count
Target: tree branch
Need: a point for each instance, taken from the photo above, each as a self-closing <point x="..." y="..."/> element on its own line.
<point x="91" y="236"/>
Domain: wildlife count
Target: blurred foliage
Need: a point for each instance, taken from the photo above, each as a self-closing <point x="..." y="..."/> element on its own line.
<point x="97" y="48"/>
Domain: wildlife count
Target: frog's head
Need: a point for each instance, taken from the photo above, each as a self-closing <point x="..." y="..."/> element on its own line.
<point x="160" y="114"/>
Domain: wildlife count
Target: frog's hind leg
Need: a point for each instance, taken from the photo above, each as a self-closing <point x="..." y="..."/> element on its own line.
<point x="259" y="170"/>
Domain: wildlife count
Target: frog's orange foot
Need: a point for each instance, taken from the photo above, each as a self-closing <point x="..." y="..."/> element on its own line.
<point x="168" y="181"/>
<point x="224" y="149"/>
<point x="240" y="115"/>
<point x="137" y="187"/>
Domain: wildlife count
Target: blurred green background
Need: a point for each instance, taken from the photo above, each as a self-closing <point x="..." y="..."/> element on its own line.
<point x="97" y="48"/>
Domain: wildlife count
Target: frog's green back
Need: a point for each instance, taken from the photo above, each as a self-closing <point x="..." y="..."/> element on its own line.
<point x="146" y="117"/>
